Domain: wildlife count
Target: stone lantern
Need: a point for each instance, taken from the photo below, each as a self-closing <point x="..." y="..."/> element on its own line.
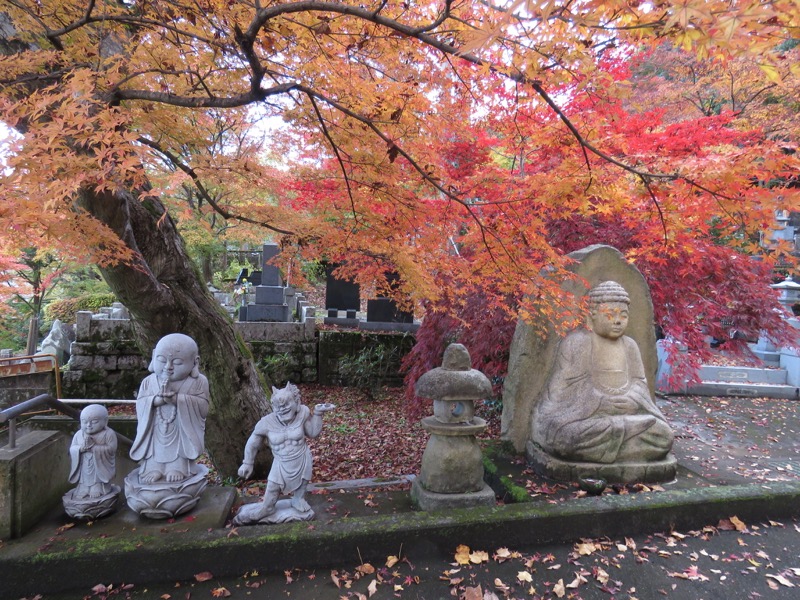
<point x="789" y="292"/>
<point x="451" y="475"/>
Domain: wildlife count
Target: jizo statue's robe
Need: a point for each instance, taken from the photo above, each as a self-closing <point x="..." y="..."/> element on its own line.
<point x="183" y="437"/>
<point x="98" y="464"/>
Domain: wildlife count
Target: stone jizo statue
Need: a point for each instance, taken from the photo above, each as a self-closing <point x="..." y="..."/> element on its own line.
<point x="93" y="454"/>
<point x="93" y="466"/>
<point x="597" y="407"/>
<point x="171" y="409"/>
<point x="285" y="430"/>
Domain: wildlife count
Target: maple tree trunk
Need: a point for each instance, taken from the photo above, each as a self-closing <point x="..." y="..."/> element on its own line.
<point x="164" y="292"/>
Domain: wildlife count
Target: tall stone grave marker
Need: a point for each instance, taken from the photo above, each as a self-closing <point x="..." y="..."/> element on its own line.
<point x="270" y="304"/>
<point x="341" y="295"/>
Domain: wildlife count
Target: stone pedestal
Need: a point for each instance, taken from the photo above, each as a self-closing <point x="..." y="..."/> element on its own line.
<point x="284" y="513"/>
<point x="451" y="475"/>
<point x="658" y="471"/>
<point x="163" y="499"/>
<point x="90" y="509"/>
<point x="33" y="477"/>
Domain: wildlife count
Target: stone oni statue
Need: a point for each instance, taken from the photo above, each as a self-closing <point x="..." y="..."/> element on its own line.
<point x="285" y="430"/>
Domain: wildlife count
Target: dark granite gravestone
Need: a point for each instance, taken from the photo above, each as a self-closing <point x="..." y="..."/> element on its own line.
<point x="270" y="304"/>
<point x="340" y="294"/>
<point x="385" y="310"/>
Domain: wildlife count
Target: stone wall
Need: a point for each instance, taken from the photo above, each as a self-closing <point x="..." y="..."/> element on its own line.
<point x="105" y="362"/>
<point x="21" y="379"/>
<point x="283" y="351"/>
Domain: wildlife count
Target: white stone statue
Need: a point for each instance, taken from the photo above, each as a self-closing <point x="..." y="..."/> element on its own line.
<point x="93" y="467"/>
<point x="171" y="409"/>
<point x="285" y="430"/>
<point x="597" y="407"/>
<point x="57" y="342"/>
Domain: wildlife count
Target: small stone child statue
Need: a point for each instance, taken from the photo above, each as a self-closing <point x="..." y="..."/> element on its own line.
<point x="285" y="430"/>
<point x="93" y="456"/>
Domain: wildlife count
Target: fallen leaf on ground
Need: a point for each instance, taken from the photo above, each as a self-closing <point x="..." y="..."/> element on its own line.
<point x="478" y="557"/>
<point x="204" y="576"/>
<point x="365" y="569"/>
<point x="738" y="524"/>
<point x="579" y="579"/>
<point x="559" y="589"/>
<point x="524" y="576"/>
<point x="462" y="554"/>
<point x="220" y="592"/>
<point x="473" y="593"/>
<point x="781" y="579"/>
<point x="586" y="548"/>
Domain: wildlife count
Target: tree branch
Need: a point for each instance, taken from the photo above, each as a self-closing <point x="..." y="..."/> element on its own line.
<point x="202" y="191"/>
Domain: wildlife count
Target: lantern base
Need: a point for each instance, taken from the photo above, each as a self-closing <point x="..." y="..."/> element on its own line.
<point x="426" y="500"/>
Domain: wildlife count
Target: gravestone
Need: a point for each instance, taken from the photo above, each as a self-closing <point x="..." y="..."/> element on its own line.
<point x="270" y="302"/>
<point x="533" y="348"/>
<point x="385" y="309"/>
<point x="340" y="294"/>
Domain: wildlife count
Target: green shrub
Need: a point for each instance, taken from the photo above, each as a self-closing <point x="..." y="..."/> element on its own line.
<point x="66" y="309"/>
<point x="278" y="368"/>
<point x="370" y="367"/>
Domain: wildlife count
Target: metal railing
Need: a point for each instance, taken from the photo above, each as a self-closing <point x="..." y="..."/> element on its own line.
<point x="10" y="415"/>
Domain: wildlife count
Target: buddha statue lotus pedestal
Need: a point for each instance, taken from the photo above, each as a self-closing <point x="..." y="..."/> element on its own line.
<point x="451" y="475"/>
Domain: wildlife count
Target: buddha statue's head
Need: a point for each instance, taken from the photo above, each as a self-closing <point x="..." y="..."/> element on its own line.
<point x="608" y="309"/>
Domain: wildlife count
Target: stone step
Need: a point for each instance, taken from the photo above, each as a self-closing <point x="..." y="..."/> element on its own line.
<point x="749" y="390"/>
<point x="714" y="373"/>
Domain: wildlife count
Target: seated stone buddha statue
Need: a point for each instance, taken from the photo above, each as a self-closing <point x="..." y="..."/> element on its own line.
<point x="597" y="407"/>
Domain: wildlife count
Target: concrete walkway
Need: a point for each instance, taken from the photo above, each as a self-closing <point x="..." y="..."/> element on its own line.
<point x="737" y="456"/>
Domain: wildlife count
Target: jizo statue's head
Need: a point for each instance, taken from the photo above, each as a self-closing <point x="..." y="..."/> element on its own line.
<point x="175" y="357"/>
<point x="94" y="419"/>
<point x="608" y="309"/>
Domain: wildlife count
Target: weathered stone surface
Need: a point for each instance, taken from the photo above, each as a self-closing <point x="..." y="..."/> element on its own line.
<point x="451" y="463"/>
<point x="451" y="474"/>
<point x="33" y="477"/>
<point x="643" y="472"/>
<point x="455" y="379"/>
<point x="532" y="354"/>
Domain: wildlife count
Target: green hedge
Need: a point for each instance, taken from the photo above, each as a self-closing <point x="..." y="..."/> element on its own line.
<point x="66" y="309"/>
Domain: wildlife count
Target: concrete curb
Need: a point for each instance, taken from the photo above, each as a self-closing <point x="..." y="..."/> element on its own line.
<point x="140" y="557"/>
